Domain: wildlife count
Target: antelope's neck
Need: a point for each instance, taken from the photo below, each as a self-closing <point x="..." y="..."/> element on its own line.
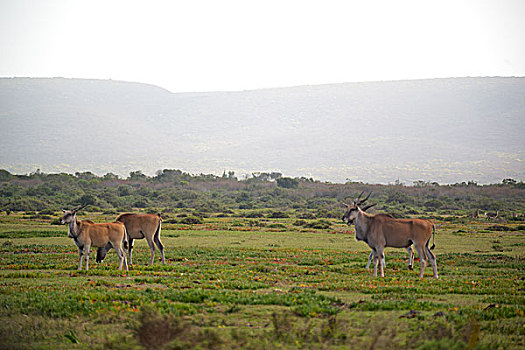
<point x="361" y="226"/>
<point x="74" y="228"/>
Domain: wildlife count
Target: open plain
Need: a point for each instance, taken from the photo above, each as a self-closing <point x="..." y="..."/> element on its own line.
<point x="233" y="282"/>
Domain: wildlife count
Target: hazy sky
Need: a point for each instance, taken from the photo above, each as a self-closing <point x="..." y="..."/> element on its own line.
<point x="237" y="45"/>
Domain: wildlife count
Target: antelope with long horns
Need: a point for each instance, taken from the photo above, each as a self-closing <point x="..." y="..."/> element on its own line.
<point x="381" y="230"/>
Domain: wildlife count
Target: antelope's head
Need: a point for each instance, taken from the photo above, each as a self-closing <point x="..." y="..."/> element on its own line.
<point x="353" y="209"/>
<point x="69" y="215"/>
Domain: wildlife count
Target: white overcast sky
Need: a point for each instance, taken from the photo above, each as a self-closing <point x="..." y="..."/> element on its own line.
<point x="237" y="45"/>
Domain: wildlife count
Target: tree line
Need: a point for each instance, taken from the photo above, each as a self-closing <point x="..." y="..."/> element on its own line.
<point x="172" y="190"/>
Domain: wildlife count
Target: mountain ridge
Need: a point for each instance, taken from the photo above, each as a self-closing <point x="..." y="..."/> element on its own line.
<point x="444" y="130"/>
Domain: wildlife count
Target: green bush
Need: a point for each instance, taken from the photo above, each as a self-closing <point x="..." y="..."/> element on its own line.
<point x="191" y="220"/>
<point x="287" y="182"/>
<point x="278" y="215"/>
<point x="300" y="223"/>
<point x="27" y="204"/>
<point x="319" y="224"/>
<point x="277" y="225"/>
<point x="254" y="215"/>
<point x="434" y="203"/>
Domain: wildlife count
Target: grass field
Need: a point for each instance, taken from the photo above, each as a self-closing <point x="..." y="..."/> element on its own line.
<point x="236" y="283"/>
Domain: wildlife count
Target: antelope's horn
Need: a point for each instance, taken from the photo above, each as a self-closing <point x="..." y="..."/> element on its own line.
<point x="368" y="207"/>
<point x="81" y="207"/>
<point x="364" y="200"/>
<point x="357" y="199"/>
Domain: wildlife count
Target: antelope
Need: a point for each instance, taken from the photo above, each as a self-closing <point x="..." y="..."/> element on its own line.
<point x="475" y="215"/>
<point x="493" y="216"/>
<point x="85" y="233"/>
<point x="372" y="253"/>
<point x="380" y="231"/>
<point x="139" y="226"/>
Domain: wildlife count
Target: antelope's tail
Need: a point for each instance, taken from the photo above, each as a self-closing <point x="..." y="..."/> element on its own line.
<point x="125" y="238"/>
<point x="433" y="237"/>
<point x="156" y="236"/>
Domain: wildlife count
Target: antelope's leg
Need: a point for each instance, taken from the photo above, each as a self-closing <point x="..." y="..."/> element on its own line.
<point x="130" y="249"/>
<point x="376" y="262"/>
<point x="381" y="257"/>
<point x="80" y="251"/>
<point x="433" y="262"/>
<point x="87" y="248"/>
<point x="121" y="258"/>
<point x="369" y="260"/>
<point x="151" y="248"/>
<point x="125" y="260"/>
<point x="423" y="258"/>
<point x="410" y="257"/>
<point x="160" y="246"/>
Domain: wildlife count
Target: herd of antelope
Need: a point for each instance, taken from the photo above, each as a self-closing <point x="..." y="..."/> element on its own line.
<point x="118" y="235"/>
<point x="378" y="231"/>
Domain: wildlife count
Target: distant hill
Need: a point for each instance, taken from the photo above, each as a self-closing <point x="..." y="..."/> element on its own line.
<point x="444" y="130"/>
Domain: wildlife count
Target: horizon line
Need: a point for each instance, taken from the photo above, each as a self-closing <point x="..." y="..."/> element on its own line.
<point x="267" y="88"/>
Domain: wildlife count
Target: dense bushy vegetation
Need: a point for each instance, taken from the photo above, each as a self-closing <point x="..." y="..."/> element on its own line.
<point x="173" y="190"/>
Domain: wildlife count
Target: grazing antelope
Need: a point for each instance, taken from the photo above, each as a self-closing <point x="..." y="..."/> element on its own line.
<point x="85" y="233"/>
<point x="139" y="226"/>
<point x="380" y="231"/>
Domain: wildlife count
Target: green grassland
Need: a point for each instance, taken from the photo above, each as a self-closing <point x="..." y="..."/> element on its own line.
<point x="231" y="282"/>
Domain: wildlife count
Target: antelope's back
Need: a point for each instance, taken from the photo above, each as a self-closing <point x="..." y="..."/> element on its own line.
<point x="388" y="220"/>
<point x="400" y="232"/>
<point x="146" y="223"/>
<point x="101" y="233"/>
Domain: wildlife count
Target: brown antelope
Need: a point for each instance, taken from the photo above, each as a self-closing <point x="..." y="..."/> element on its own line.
<point x="493" y="216"/>
<point x="372" y="253"/>
<point x="139" y="226"/>
<point x="85" y="233"/>
<point x="380" y="231"/>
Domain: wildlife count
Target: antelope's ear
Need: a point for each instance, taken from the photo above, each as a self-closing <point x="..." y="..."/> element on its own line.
<point x="64" y="210"/>
<point x="346" y="205"/>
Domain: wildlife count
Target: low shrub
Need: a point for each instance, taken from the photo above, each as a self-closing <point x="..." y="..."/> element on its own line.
<point x="319" y="224"/>
<point x="191" y="220"/>
<point x="278" y="215"/>
<point x="254" y="215"/>
<point x="300" y="222"/>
